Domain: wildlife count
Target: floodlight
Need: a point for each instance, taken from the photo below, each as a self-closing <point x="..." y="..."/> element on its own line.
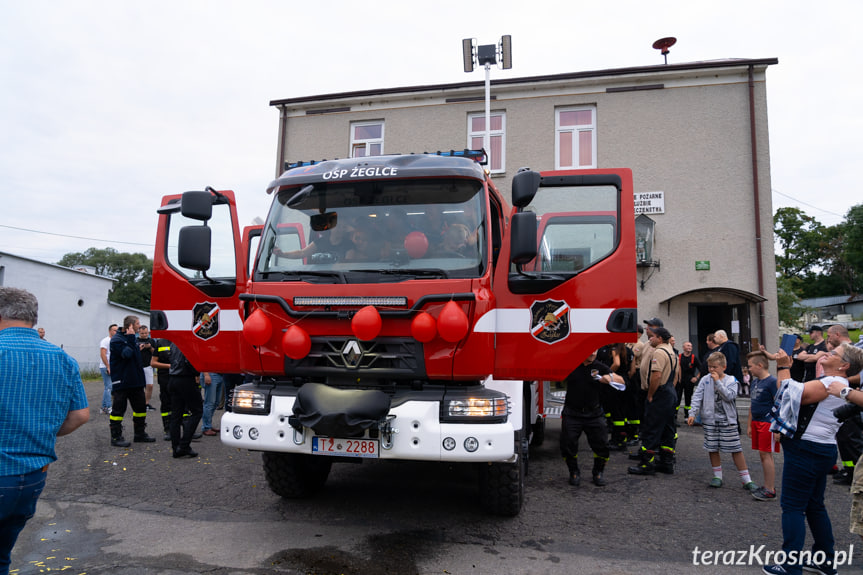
<point x="467" y="54"/>
<point x="506" y="51"/>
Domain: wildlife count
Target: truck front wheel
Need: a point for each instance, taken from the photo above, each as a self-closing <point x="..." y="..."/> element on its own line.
<point x="293" y="475"/>
<point x="501" y="485"/>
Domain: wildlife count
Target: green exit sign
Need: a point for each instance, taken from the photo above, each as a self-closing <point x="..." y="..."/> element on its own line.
<point x="702" y="265"/>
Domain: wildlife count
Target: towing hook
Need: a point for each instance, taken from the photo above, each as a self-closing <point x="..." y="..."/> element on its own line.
<point x="387" y="431"/>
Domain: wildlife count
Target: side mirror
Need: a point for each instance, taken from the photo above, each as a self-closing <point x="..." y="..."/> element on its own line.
<point x="524" y="187"/>
<point x="197" y="205"/>
<point x="523" y="237"/>
<point x="193" y="247"/>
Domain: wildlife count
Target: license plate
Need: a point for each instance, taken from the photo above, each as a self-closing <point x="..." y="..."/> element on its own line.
<point x="345" y="447"/>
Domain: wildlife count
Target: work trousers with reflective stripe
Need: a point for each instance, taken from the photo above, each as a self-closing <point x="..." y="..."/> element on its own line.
<point x="658" y="429"/>
<point x="136" y="398"/>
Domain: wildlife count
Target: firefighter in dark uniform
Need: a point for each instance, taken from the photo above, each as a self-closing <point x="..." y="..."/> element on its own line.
<point x="185" y="397"/>
<point x="582" y="412"/>
<point x="617" y="358"/>
<point x="127" y="376"/>
<point x="161" y="362"/>
<point x="658" y="428"/>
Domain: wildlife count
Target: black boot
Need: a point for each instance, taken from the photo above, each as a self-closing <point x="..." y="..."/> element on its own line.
<point x="845" y="476"/>
<point x="141" y="436"/>
<point x="574" y="473"/>
<point x="598" y="467"/>
<point x="117" y="439"/>
<point x="666" y="463"/>
<point x="646" y="466"/>
<point x="166" y="427"/>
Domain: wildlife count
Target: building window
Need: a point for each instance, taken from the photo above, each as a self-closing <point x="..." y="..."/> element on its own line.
<point x="497" y="138"/>
<point x="367" y="139"/>
<point x="575" y="138"/>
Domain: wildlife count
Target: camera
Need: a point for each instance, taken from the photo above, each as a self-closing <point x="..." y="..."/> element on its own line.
<point x="847" y="411"/>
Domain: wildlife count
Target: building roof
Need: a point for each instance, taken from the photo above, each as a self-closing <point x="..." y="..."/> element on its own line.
<point x="64" y="268"/>
<point x="642" y="70"/>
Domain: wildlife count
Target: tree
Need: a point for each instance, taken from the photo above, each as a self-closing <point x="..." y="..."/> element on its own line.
<point x="801" y="240"/>
<point x="852" y="248"/>
<point x="788" y="302"/>
<point x="133" y="273"/>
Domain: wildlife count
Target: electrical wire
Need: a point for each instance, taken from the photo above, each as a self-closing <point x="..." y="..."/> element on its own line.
<point x="75" y="237"/>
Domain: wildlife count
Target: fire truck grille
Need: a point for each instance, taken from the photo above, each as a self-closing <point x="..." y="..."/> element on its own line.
<point x="396" y="358"/>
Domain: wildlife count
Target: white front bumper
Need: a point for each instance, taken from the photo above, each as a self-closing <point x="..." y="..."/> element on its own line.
<point x="420" y="434"/>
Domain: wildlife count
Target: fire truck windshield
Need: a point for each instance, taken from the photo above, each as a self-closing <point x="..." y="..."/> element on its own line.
<point x="378" y="231"/>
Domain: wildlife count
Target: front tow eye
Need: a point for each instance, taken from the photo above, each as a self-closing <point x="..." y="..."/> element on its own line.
<point x="387" y="432"/>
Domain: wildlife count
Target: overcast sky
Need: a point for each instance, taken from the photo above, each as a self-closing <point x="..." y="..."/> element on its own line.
<point x="106" y="106"/>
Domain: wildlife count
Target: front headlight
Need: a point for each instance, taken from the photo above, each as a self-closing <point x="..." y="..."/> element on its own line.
<point x="249" y="401"/>
<point x="488" y="409"/>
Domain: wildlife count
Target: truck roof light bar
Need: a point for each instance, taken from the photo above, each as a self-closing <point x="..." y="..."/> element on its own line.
<point x="479" y="156"/>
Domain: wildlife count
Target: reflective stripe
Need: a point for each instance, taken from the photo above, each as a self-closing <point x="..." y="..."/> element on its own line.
<point x="508" y="320"/>
<point x="139" y="414"/>
<point x="181" y="320"/>
<point x="115" y="417"/>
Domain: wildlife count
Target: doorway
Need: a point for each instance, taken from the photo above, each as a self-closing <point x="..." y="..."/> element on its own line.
<point x="706" y="318"/>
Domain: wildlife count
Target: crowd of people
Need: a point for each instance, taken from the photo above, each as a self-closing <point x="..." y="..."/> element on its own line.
<point x="131" y="357"/>
<point x="810" y="410"/>
<point x="621" y="396"/>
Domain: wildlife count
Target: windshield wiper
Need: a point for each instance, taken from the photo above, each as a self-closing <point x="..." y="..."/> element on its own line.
<point x="301" y="275"/>
<point x="410" y="272"/>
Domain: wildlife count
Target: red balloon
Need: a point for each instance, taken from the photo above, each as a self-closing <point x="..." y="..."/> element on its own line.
<point x="257" y="328"/>
<point x="452" y="323"/>
<point x="417" y="244"/>
<point x="366" y="323"/>
<point x="424" y="327"/>
<point x="296" y="343"/>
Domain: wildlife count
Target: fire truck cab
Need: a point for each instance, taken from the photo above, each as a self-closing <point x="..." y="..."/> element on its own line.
<point x="397" y="308"/>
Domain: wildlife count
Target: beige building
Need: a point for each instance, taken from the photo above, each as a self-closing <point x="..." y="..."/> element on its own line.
<point x="695" y="136"/>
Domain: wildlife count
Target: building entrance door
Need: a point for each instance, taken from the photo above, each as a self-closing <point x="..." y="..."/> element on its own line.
<point x="706" y="318"/>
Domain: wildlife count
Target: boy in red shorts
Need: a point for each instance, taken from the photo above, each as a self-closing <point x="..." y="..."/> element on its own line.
<point x="763" y="389"/>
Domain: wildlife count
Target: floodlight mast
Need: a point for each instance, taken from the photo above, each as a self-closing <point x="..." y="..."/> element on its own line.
<point x="485" y="56"/>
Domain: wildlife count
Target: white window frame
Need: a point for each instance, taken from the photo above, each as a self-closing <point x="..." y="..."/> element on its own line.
<point x="367" y="142"/>
<point x="576" y="131"/>
<point x="501" y="132"/>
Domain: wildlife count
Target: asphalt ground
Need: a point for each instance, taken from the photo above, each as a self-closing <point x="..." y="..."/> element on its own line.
<point x="139" y="511"/>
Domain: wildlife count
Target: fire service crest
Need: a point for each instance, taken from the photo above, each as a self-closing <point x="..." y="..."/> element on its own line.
<point x="205" y="320"/>
<point x="549" y="320"/>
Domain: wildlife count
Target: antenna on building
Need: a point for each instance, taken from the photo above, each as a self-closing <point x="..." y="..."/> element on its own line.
<point x="664" y="44"/>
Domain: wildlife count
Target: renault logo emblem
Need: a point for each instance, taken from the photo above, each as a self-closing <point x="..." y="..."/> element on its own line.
<point x="352" y="353"/>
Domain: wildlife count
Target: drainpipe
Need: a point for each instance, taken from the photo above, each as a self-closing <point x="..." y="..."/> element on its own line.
<point x="280" y="147"/>
<point x="757" y="203"/>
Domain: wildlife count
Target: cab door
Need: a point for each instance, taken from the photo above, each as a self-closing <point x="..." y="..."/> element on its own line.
<point x="579" y="292"/>
<point x="198" y="308"/>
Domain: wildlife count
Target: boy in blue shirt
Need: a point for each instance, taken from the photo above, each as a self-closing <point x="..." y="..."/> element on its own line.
<point x="763" y="391"/>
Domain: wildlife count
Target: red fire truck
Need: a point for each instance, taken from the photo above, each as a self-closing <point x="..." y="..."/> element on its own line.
<point x="396" y="307"/>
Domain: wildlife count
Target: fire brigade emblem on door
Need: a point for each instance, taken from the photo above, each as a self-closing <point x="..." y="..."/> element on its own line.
<point x="205" y="320"/>
<point x="549" y="320"/>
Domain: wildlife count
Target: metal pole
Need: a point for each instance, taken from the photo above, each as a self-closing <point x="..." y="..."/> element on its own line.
<point x="487" y="138"/>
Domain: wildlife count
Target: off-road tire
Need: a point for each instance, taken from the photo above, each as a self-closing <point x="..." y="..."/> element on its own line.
<point x="293" y="475"/>
<point x="501" y="487"/>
